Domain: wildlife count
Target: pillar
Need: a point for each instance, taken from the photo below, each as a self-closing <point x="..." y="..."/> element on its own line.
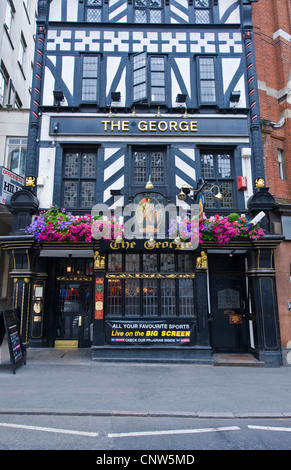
<point x="262" y="287"/>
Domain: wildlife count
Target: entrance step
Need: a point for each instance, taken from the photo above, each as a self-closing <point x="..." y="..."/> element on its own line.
<point x="236" y="360"/>
<point x="173" y="355"/>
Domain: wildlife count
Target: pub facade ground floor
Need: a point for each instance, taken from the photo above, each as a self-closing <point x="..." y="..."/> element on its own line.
<point x="128" y="301"/>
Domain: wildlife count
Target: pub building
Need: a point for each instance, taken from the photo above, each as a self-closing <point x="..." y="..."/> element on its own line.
<point x="152" y="103"/>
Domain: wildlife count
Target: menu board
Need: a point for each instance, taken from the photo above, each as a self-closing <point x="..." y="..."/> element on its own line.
<point x="17" y="354"/>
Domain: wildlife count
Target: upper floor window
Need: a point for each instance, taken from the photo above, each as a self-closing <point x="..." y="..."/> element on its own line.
<point x="216" y="169"/>
<point x="93" y="11"/>
<point x="202" y="11"/>
<point x="207" y="80"/>
<point x="10" y="10"/>
<point x="149" y="78"/>
<point x="148" y="11"/>
<point x="282" y="164"/>
<point x="22" y="50"/>
<point x="90" y="78"/>
<point x="16" y="155"/>
<point x="79" y="179"/>
<point x="148" y="163"/>
<point x="4" y="78"/>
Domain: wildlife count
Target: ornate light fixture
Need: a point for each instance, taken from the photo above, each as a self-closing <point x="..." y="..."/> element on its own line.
<point x="185" y="190"/>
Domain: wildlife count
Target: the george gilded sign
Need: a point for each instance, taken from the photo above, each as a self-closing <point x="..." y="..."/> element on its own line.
<point x="153" y="126"/>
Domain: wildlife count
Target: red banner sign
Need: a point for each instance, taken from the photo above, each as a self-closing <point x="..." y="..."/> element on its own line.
<point x="99" y="298"/>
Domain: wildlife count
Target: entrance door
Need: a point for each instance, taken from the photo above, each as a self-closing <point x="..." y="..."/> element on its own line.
<point x="74" y="312"/>
<point x="229" y="319"/>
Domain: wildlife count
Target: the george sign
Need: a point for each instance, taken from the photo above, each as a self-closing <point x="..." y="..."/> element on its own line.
<point x="178" y="333"/>
<point x="159" y="127"/>
<point x="16" y="350"/>
<point x="9" y="183"/>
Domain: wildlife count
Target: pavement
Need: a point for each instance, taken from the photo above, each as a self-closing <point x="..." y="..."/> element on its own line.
<point x="68" y="381"/>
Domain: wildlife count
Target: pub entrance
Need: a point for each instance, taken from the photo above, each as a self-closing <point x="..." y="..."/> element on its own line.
<point x="74" y="314"/>
<point x="229" y="316"/>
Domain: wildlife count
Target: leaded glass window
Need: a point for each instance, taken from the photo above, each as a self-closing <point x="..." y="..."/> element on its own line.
<point x="149" y="163"/>
<point x="202" y="11"/>
<point x="149" y="78"/>
<point x="150" y="285"/>
<point x="148" y="11"/>
<point x="90" y="78"/>
<point x="207" y="80"/>
<point x="93" y="11"/>
<point x="216" y="168"/>
<point x="79" y="179"/>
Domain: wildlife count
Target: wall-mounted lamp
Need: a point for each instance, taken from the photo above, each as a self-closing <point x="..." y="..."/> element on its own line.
<point x="58" y="96"/>
<point x="185" y="190"/>
<point x="234" y="96"/>
<point x="56" y="127"/>
<point x="115" y="96"/>
<point x="181" y="98"/>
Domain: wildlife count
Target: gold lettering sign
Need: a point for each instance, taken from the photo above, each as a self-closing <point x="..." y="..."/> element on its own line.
<point x="150" y="126"/>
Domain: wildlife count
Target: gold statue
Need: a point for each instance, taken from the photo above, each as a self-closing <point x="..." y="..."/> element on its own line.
<point x="259" y="182"/>
<point x="99" y="261"/>
<point x="201" y="261"/>
<point x="30" y="181"/>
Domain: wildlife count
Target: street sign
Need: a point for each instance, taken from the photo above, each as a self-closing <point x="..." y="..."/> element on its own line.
<point x="10" y="182"/>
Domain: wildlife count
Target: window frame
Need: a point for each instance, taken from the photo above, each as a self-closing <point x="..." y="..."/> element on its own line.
<point x="147" y="9"/>
<point x="218" y="180"/>
<point x="93" y="7"/>
<point x="148" y="166"/>
<point x="4" y="80"/>
<point x="148" y="66"/>
<point x="197" y="8"/>
<point x="79" y="178"/>
<point x="21" y="148"/>
<point x="141" y="279"/>
<point x="201" y="80"/>
<point x="97" y="78"/>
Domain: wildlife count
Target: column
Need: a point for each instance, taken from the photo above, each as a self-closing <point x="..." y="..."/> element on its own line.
<point x="262" y="287"/>
<point x="99" y="290"/>
<point x="203" y="336"/>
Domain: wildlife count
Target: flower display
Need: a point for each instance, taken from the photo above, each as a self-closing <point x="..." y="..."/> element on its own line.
<point x="218" y="228"/>
<point x="58" y="225"/>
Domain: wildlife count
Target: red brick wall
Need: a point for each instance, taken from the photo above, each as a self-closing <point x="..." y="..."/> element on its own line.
<point x="273" y="62"/>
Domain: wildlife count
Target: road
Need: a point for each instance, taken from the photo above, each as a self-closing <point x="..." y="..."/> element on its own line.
<point x="120" y="433"/>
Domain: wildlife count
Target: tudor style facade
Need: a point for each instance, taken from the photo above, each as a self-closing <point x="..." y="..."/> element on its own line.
<point x="127" y="93"/>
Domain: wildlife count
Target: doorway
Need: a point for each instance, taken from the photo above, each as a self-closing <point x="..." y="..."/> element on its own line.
<point x="229" y="317"/>
<point x="74" y="313"/>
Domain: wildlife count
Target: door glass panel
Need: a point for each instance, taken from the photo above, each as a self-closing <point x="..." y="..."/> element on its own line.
<point x="228" y="298"/>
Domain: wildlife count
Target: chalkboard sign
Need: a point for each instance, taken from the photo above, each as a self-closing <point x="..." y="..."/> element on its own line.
<point x="16" y="350"/>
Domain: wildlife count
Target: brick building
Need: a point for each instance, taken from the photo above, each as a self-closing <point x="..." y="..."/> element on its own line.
<point x="272" y="21"/>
